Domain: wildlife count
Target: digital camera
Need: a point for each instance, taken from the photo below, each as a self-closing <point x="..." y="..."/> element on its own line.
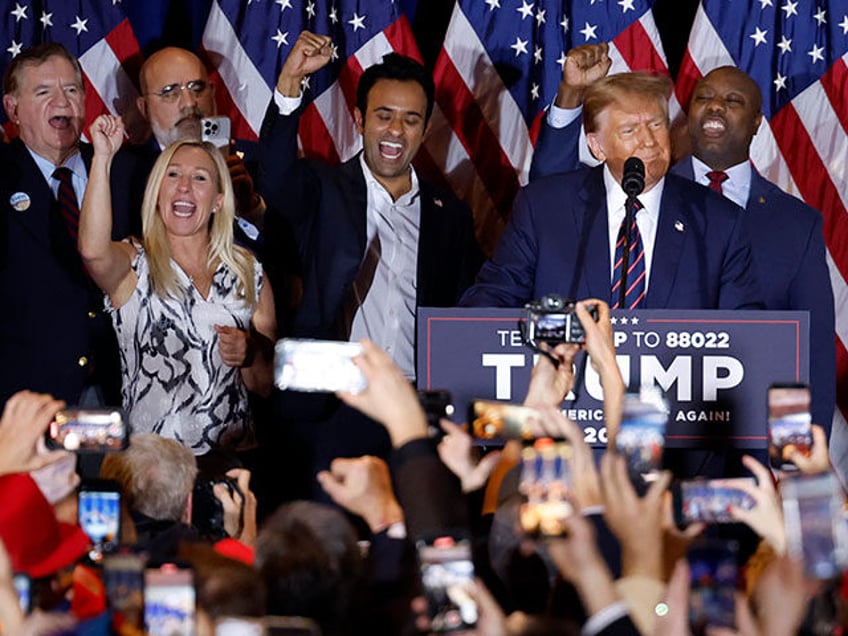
<point x="552" y="320"/>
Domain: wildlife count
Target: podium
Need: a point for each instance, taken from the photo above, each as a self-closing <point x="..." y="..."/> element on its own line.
<point x="714" y="366"/>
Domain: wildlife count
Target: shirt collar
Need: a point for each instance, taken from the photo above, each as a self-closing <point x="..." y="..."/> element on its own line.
<point x="738" y="184"/>
<point x="616" y="197"/>
<point x="74" y="163"/>
<point x="373" y="185"/>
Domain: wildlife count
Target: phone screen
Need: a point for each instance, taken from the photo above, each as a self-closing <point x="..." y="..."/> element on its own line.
<point x="317" y="366"/>
<point x="709" y="500"/>
<point x="100" y="514"/>
<point x="447" y="575"/>
<point x="169" y="601"/>
<point x="88" y="430"/>
<point x="788" y="424"/>
<point x="23" y="587"/>
<point x="713" y="579"/>
<point x="501" y="421"/>
<point x="123" y="578"/>
<point x="815" y="526"/>
<point x="641" y="435"/>
<point x="545" y="483"/>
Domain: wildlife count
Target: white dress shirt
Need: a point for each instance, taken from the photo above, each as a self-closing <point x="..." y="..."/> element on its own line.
<point x="737" y="186"/>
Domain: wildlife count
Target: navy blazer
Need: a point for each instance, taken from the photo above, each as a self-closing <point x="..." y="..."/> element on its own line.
<point x="557" y="241"/>
<point x="788" y="253"/>
<point x="325" y="207"/>
<point x="54" y="335"/>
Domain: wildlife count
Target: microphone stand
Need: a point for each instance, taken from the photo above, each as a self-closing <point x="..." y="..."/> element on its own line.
<point x="629" y="206"/>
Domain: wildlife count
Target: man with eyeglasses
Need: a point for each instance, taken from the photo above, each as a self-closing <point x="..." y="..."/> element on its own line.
<point x="175" y="96"/>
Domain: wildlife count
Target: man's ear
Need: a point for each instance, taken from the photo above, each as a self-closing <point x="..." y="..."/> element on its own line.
<point x="141" y="104"/>
<point x="10" y="103"/>
<point x="357" y="117"/>
<point x="596" y="147"/>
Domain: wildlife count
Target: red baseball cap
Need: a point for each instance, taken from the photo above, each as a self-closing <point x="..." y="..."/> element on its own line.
<point x="37" y="543"/>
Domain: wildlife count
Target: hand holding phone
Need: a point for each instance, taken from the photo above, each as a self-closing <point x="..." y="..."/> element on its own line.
<point x="710" y="500"/>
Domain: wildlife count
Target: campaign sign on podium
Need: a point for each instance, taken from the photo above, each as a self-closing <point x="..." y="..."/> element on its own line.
<point x="714" y="366"/>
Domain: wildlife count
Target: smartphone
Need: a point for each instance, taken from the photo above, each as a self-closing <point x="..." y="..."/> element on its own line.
<point x="502" y="421"/>
<point x="23" y="588"/>
<point x="169" y="601"/>
<point x="437" y="404"/>
<point x="815" y="527"/>
<point x="318" y="365"/>
<point x="546" y="485"/>
<point x="99" y="512"/>
<point x="789" y="424"/>
<point x="713" y="581"/>
<point x="447" y="576"/>
<point x="641" y="435"/>
<point x="216" y="130"/>
<point x="123" y="578"/>
<point x="709" y="500"/>
<point x="88" y="431"/>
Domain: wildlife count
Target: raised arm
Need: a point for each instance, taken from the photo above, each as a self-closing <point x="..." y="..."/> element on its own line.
<point x="108" y="262"/>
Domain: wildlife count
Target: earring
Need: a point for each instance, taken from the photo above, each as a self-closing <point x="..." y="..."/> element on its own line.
<point x="214" y="209"/>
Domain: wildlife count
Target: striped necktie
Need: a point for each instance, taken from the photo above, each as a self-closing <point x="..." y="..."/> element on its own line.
<point x="68" y="205"/>
<point x="636" y="266"/>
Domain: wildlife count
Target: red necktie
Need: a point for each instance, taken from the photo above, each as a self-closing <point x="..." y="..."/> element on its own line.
<point x="67" y="198"/>
<point x="717" y="177"/>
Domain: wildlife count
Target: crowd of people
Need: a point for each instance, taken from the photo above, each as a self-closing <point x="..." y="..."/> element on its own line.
<point x="157" y="279"/>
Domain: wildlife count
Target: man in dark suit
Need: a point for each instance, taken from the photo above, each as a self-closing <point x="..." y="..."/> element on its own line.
<point x="563" y="233"/>
<point x="54" y="335"/>
<point x="788" y="250"/>
<point x="369" y="220"/>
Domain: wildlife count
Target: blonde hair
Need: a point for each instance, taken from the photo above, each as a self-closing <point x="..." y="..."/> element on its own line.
<point x="614" y="88"/>
<point x="221" y="246"/>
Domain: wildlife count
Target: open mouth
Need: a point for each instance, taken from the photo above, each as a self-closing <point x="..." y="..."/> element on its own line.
<point x="713" y="127"/>
<point x="390" y="150"/>
<point x="183" y="209"/>
<point x="60" y="122"/>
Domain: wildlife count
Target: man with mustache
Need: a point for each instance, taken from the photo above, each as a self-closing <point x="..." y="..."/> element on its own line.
<point x="377" y="241"/>
<point x="788" y="250"/>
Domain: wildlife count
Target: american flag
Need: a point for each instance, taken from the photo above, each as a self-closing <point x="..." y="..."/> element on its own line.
<point x="797" y="51"/>
<point x="96" y="32"/>
<point x="500" y="66"/>
<point x="247" y="43"/>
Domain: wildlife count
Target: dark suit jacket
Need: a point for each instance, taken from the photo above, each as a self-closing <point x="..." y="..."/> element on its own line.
<point x="325" y="206"/>
<point x="557" y="241"/>
<point x="54" y="334"/>
<point x="789" y="256"/>
<point x="788" y="252"/>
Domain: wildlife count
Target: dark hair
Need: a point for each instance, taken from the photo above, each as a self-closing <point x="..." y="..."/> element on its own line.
<point x="395" y="67"/>
<point x="35" y="56"/>
<point x="309" y="558"/>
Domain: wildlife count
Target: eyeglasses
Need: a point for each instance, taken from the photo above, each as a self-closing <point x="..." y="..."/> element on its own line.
<point x="172" y="92"/>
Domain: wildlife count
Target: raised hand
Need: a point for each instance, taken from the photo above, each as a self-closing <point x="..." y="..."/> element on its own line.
<point x="584" y="65"/>
<point x="107" y="135"/>
<point x="311" y="52"/>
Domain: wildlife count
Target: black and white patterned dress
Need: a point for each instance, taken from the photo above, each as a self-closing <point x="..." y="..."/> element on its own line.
<point x="174" y="381"/>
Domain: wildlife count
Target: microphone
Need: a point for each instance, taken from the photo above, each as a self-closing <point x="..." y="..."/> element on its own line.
<point x="633" y="181"/>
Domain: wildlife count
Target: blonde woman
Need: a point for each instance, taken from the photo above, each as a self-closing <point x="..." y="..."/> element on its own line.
<point x="192" y="311"/>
